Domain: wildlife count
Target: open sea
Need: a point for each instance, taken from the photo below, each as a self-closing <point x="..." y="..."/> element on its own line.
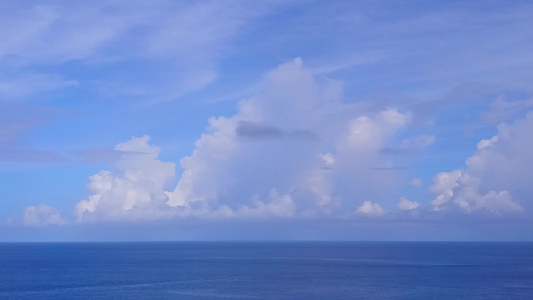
<point x="266" y="270"/>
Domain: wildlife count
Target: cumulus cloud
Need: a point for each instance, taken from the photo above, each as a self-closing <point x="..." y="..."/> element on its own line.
<point x="405" y="204"/>
<point x="459" y="189"/>
<point x="277" y="141"/>
<point x="272" y="143"/>
<point x="138" y="192"/>
<point x="135" y="192"/>
<point x="276" y="205"/>
<point x="503" y="161"/>
<point x="496" y="178"/>
<point x="370" y="134"/>
<point x="42" y="215"/>
<point x="370" y="209"/>
<point x="294" y="150"/>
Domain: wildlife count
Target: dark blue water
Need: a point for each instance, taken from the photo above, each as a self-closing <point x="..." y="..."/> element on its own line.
<point x="267" y="270"/>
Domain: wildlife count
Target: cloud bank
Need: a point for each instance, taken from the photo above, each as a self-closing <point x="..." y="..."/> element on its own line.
<point x="297" y="150"/>
<point x="286" y="152"/>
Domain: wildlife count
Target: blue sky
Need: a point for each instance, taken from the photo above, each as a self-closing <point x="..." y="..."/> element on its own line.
<point x="169" y="120"/>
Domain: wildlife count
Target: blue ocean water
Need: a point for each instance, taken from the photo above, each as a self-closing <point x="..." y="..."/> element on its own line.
<point x="266" y="270"/>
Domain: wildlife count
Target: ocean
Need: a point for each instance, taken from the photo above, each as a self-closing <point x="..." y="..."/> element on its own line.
<point x="266" y="270"/>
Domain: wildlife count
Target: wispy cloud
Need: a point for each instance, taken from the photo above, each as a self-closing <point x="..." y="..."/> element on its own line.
<point x="18" y="119"/>
<point x="29" y="155"/>
<point x="173" y="46"/>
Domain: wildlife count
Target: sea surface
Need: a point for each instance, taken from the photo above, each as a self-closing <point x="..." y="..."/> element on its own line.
<point x="266" y="270"/>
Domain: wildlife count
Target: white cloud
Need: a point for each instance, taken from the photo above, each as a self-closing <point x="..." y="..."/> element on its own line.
<point x="320" y="185"/>
<point x="370" y="134"/>
<point x="504" y="160"/>
<point x="457" y="189"/>
<point x="293" y="150"/>
<point x="485" y="144"/>
<point x="405" y="204"/>
<point x="41" y="215"/>
<point x="497" y="177"/>
<point x="270" y="144"/>
<point x="370" y="209"/>
<point x="276" y="206"/>
<point x="444" y="184"/>
<point x="361" y="158"/>
<point x="137" y="192"/>
<point x="277" y="141"/>
<point x="288" y="152"/>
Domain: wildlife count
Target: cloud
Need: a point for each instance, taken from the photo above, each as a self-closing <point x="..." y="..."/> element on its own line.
<point x="501" y="110"/>
<point x="29" y="84"/>
<point x="17" y="119"/>
<point x="254" y="130"/>
<point x="277" y="142"/>
<point x="276" y="206"/>
<point x="41" y="215"/>
<point x="370" y="134"/>
<point x="270" y="144"/>
<point x="294" y="150"/>
<point x="405" y="204"/>
<point x="56" y="30"/>
<point x="98" y="154"/>
<point x="258" y="131"/>
<point x="136" y="192"/>
<point x="458" y="189"/>
<point x="174" y="46"/>
<point x="496" y="178"/>
<point x="370" y="209"/>
<point x="29" y="155"/>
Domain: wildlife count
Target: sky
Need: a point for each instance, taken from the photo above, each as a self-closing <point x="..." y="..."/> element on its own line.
<point x="266" y="120"/>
